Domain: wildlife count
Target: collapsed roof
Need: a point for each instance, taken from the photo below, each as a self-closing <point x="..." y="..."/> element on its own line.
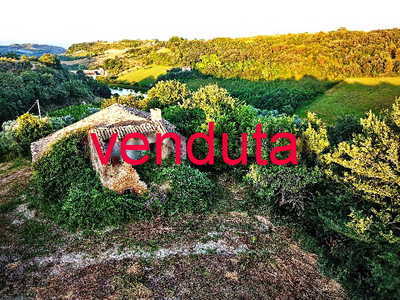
<point x="122" y="120"/>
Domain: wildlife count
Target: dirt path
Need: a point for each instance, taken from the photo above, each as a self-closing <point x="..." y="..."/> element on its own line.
<point x="14" y="176"/>
<point x="219" y="256"/>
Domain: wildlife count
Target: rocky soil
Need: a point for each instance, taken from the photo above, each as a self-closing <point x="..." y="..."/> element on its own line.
<point x="227" y="255"/>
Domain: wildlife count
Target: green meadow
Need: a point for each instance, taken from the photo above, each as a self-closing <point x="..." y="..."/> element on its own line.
<point x="144" y="76"/>
<point x="354" y="96"/>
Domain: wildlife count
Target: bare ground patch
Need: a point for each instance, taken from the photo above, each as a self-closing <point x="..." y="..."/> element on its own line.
<point x="220" y="256"/>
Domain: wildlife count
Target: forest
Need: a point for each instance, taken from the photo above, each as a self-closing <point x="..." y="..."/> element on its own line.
<point x="324" y="55"/>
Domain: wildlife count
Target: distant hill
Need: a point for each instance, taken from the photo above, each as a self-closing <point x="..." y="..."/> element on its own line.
<point x="31" y="49"/>
<point x="333" y="55"/>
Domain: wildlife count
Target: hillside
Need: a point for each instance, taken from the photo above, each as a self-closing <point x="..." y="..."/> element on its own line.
<point x="325" y="55"/>
<point x="354" y="96"/>
<point x="31" y="49"/>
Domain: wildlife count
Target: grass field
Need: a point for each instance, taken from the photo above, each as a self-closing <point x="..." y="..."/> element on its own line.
<point x="354" y="96"/>
<point x="144" y="76"/>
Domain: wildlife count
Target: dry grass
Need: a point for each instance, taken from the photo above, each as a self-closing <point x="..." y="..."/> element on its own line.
<point x="40" y="260"/>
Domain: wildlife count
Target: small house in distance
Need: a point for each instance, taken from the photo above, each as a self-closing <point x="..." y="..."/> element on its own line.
<point x="118" y="175"/>
<point x="186" y="69"/>
<point x="94" y="73"/>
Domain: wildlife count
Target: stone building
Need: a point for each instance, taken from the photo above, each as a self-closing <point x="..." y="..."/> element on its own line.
<point x="117" y="175"/>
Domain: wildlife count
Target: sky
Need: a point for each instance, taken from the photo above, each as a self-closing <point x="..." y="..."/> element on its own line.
<point x="65" y="22"/>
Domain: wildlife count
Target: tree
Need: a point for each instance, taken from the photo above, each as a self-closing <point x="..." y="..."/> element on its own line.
<point x="169" y="92"/>
<point x="371" y="163"/>
<point x="213" y="100"/>
<point x="50" y="59"/>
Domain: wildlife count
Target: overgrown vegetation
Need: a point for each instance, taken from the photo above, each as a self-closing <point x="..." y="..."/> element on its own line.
<point x="48" y="82"/>
<point x="16" y="136"/>
<point x="77" y="112"/>
<point x="69" y="191"/>
<point x="283" y="95"/>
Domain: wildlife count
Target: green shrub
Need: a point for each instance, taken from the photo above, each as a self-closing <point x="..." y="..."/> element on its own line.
<point x="77" y="112"/>
<point x="354" y="218"/>
<point x="188" y="190"/>
<point x="30" y="128"/>
<point x="187" y="121"/>
<point x="371" y="164"/>
<point x="61" y="122"/>
<point x="128" y="100"/>
<point x="88" y="205"/>
<point x="169" y="92"/>
<point x="76" y="89"/>
<point x="50" y="59"/>
<point x="213" y="101"/>
<point x="288" y="186"/>
<point x="365" y="269"/>
<point x="67" y="188"/>
<point x="58" y="170"/>
<point x="344" y="129"/>
<point x="9" y="147"/>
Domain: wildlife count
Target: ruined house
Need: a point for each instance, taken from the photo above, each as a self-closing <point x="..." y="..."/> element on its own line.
<point x="117" y="175"/>
<point x="94" y="73"/>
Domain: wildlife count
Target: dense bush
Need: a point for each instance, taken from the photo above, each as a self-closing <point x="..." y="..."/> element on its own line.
<point x="50" y="59"/>
<point x="347" y="195"/>
<point x="371" y="163"/>
<point x="59" y="169"/>
<point x="214" y="104"/>
<point x="68" y="189"/>
<point x="213" y="101"/>
<point x="344" y="129"/>
<point x="88" y="205"/>
<point x="366" y="269"/>
<point x="16" y="136"/>
<point x="61" y="122"/>
<point x="187" y="121"/>
<point x="290" y="186"/>
<point x="354" y="220"/>
<point x="30" y="128"/>
<point x="169" y="92"/>
<point x="188" y="190"/>
<point x="9" y="147"/>
<point x="128" y="100"/>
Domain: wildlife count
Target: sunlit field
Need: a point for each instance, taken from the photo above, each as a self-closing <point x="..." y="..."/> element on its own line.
<point x="354" y="96"/>
<point x="144" y="76"/>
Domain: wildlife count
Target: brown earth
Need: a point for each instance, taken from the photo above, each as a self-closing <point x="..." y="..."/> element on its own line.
<point x="227" y="255"/>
